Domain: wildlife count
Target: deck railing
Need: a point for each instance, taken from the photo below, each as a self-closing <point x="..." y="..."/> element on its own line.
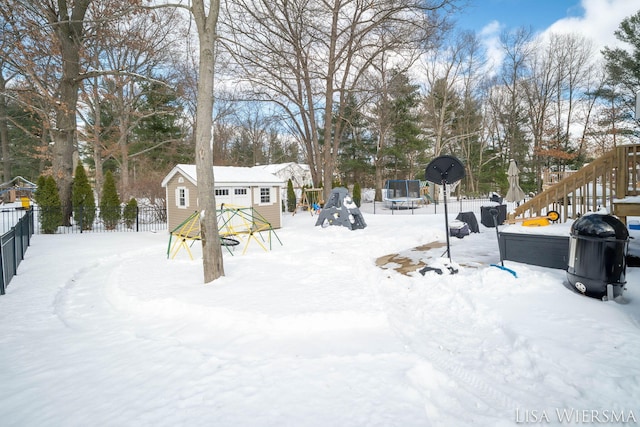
<point x="613" y="176"/>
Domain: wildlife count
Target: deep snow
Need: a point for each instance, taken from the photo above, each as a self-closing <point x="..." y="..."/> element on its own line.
<point x="102" y="329"/>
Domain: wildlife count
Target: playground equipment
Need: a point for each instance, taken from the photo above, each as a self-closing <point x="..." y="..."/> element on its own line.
<point x="402" y="193"/>
<point x="311" y="200"/>
<point x="341" y="210"/>
<point x="238" y="223"/>
<point x="537" y="221"/>
<point x="235" y="223"/>
<point x="187" y="231"/>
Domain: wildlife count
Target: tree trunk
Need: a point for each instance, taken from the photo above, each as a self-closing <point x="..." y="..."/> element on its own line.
<point x="97" y="144"/>
<point x="69" y="34"/>
<point x="123" y="145"/>
<point x="211" y="249"/>
<point x="4" y="134"/>
<point x="379" y="165"/>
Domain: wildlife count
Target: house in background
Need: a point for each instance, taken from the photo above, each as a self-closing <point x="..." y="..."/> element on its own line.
<point x="300" y="176"/>
<point x="237" y="186"/>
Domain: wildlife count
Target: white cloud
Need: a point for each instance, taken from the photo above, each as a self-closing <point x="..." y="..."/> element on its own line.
<point x="490" y="38"/>
<point x="597" y="21"/>
<point x="600" y="19"/>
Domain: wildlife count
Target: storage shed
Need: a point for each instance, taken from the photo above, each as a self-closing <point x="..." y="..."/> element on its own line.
<point x="238" y="186"/>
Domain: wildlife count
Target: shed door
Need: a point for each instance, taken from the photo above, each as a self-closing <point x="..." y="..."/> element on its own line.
<point x="241" y="196"/>
<point x="235" y="197"/>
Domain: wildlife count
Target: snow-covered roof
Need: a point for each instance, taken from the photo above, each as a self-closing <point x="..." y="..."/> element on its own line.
<point x="22" y="182"/>
<point x="227" y="175"/>
<point x="299" y="173"/>
<point x="275" y="168"/>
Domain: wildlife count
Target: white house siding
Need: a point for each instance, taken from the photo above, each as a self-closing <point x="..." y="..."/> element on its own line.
<point x="299" y="174"/>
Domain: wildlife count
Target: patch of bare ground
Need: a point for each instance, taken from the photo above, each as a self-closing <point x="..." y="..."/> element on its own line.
<point x="409" y="261"/>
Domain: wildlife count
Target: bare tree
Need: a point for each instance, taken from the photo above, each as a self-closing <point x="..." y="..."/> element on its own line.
<point x="443" y="70"/>
<point x="308" y="56"/>
<point x="132" y="53"/>
<point x="555" y="85"/>
<point x="518" y="48"/>
<point x="572" y="54"/>
<point x="469" y="136"/>
<point x="540" y="88"/>
<point x="378" y="82"/>
<point x="53" y="38"/>
<point x="7" y="40"/>
<point x="206" y="15"/>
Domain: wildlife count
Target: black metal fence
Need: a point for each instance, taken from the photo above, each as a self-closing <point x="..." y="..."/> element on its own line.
<point x="13" y="245"/>
<point x="143" y="218"/>
<point x="454" y="204"/>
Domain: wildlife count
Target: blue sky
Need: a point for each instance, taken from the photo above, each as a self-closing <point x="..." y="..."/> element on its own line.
<point x="594" y="19"/>
<point x="538" y="14"/>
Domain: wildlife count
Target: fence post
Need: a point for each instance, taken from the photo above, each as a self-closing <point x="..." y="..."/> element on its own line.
<point x="15" y="252"/>
<point x="32" y="228"/>
<point x="18" y="244"/>
<point x="4" y="280"/>
<point x="2" y="284"/>
<point x="137" y="219"/>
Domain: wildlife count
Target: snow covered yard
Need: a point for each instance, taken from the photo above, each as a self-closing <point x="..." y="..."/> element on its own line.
<point x="103" y="330"/>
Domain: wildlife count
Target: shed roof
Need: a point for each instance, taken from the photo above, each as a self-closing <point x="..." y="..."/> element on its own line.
<point x="227" y="175"/>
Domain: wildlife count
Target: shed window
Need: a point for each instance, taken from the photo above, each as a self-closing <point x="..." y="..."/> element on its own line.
<point x="221" y="191"/>
<point x="182" y="197"/>
<point x="265" y="195"/>
<point x="240" y="191"/>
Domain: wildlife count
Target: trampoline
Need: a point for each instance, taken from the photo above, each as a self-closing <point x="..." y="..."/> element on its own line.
<point x="402" y="194"/>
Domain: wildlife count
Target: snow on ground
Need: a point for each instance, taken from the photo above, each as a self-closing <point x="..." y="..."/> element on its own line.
<point x="103" y="330"/>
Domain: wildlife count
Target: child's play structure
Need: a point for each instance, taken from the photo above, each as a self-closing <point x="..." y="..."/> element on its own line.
<point x="242" y="223"/>
<point x="236" y="224"/>
<point x="341" y="210"/>
<point x="310" y="200"/>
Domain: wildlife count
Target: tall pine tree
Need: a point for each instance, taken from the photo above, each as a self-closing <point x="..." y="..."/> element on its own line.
<point x="623" y="65"/>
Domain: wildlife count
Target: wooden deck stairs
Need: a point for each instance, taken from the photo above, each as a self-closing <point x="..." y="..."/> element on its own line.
<point x="604" y="183"/>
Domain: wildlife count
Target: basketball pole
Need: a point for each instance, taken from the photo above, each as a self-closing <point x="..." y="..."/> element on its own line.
<point x="446" y="217"/>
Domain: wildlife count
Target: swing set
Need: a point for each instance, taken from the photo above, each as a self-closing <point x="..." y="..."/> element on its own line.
<point x="310" y="200"/>
<point x="235" y="224"/>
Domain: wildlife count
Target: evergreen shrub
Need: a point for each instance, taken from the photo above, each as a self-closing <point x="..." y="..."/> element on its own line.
<point x="130" y="212"/>
<point x="82" y="199"/>
<point x="291" y="197"/>
<point x="110" y="203"/>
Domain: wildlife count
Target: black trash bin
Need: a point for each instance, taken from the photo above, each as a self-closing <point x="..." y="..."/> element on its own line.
<point x="597" y="255"/>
